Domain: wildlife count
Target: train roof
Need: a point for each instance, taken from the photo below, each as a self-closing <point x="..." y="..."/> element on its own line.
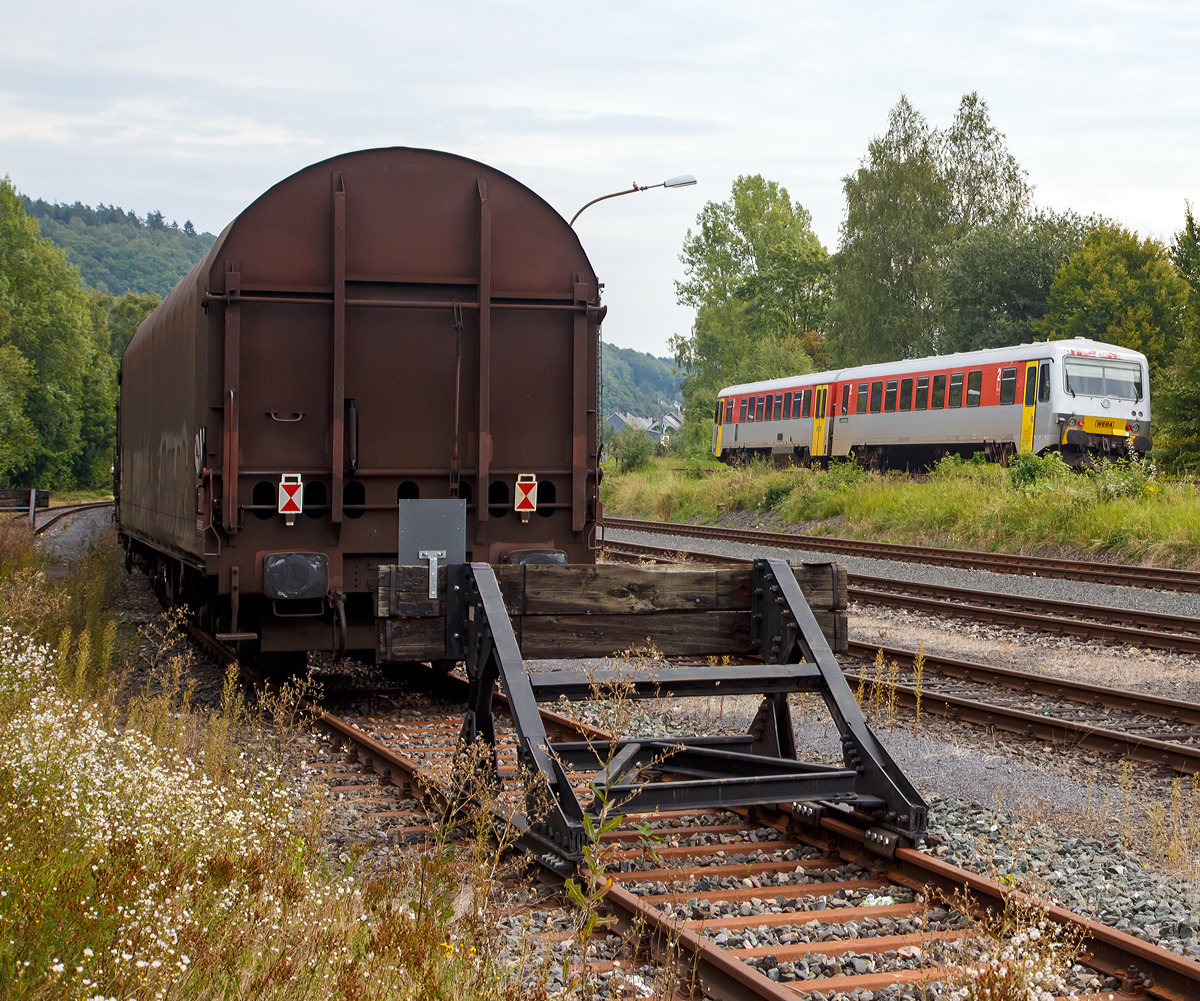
<point x="1020" y="352"/>
<point x="411" y="215"/>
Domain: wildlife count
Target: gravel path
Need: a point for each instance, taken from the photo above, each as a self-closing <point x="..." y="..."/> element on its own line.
<point x="1107" y="595"/>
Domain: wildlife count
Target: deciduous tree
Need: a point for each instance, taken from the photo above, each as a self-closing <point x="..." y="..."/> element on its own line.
<point x="915" y="193"/>
<point x="1176" y="397"/>
<point x="758" y="278"/>
<point x="1123" y="290"/>
<point x="997" y="278"/>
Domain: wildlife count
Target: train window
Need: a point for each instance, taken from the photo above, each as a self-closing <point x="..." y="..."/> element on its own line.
<point x="956" y="389"/>
<point x="860" y="402"/>
<point x="876" y="396"/>
<point x="787" y="406"/>
<point x="889" y="399"/>
<point x="1030" y="386"/>
<point x="939" y="392"/>
<point x="263" y="495"/>
<point x="778" y="406"/>
<point x="906" y="394"/>
<point x="1094" y="377"/>
<point x="720" y="411"/>
<point x="742" y="412"/>
<point x="408" y="491"/>
<point x="923" y="392"/>
<point x="846" y="398"/>
<point x="316" y="501"/>
<point x="729" y="411"/>
<point x="974" y="388"/>
<point x="1044" y="384"/>
<point x="546" y="495"/>
<point x="354" y="499"/>
<point x="497" y="499"/>
<point x="759" y="413"/>
<point x="807" y="403"/>
<point x="1008" y="387"/>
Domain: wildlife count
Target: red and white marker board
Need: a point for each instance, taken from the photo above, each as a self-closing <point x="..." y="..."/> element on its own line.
<point x="525" y="499"/>
<point x="291" y="493"/>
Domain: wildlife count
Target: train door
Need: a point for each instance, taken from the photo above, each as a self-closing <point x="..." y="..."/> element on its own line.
<point x="1030" y="410"/>
<point x="820" y="409"/>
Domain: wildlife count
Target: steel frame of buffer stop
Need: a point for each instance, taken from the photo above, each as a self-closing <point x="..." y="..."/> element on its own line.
<point x="760" y="768"/>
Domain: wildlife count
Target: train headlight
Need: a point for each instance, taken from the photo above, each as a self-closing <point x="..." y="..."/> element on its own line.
<point x="1071" y="422"/>
<point x="1135" y="429"/>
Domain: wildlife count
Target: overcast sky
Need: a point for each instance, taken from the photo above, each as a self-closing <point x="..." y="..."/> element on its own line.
<point x="196" y="109"/>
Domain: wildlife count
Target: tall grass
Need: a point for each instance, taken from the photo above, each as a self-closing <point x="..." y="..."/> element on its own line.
<point x="1124" y="510"/>
<point x="148" y="850"/>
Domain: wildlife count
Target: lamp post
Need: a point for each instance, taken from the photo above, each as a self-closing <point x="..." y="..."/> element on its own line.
<point x="682" y="181"/>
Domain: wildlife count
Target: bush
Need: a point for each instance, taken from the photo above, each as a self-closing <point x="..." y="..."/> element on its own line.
<point x="1125" y="478"/>
<point x="630" y="449"/>
<point x="1026" y="469"/>
<point x="774" y="495"/>
<point x="844" y="475"/>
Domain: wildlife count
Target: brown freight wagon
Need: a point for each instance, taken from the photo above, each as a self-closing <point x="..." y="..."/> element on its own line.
<point x="389" y="324"/>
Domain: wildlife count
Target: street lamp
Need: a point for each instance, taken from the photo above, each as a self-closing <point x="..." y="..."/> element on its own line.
<point x="682" y="181"/>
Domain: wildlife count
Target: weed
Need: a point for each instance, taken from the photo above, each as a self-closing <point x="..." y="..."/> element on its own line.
<point x="918" y="675"/>
<point x="148" y="848"/>
<point x="1018" y="955"/>
<point x="893" y="680"/>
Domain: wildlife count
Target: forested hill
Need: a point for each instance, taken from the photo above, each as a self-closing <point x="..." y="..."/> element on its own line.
<point x="637" y="382"/>
<point x="119" y="251"/>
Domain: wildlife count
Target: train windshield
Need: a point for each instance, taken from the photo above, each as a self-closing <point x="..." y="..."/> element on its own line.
<point x="1121" y="380"/>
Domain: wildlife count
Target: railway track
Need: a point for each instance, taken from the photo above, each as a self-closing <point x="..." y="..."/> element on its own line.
<point x="1153" y="630"/>
<point x="1107" y="722"/>
<point x="57" y="514"/>
<point x="751" y="903"/>
<point x="1158" y="578"/>
<point x="1152" y="730"/>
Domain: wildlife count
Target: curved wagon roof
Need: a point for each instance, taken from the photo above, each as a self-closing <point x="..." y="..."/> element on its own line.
<point x="411" y="216"/>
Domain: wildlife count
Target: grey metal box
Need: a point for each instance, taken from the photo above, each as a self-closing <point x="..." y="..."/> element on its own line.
<point x="432" y="525"/>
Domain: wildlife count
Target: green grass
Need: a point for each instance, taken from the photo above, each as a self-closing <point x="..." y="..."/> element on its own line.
<point x="1123" y="511"/>
<point x="58" y="498"/>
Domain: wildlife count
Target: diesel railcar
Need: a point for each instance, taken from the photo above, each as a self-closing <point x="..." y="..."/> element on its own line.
<point x="1078" y="397"/>
<point x="384" y="326"/>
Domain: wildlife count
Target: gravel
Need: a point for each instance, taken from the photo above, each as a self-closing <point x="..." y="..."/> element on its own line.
<point x="1155" y="672"/>
<point x="1096" y="876"/>
<point x="1107" y="595"/>
<point x="69" y="538"/>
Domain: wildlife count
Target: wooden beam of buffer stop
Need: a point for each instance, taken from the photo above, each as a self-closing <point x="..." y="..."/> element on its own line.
<point x="597" y="611"/>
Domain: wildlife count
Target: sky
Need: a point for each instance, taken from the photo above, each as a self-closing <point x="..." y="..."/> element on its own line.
<point x="195" y="110"/>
